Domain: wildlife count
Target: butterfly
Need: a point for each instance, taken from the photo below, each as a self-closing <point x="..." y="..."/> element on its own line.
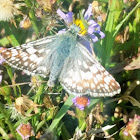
<point x="62" y="57"/>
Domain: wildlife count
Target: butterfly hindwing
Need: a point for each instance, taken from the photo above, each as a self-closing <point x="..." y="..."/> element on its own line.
<point x="82" y="74"/>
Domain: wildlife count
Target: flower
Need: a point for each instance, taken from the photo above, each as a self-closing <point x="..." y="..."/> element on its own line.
<point x="133" y="127"/>
<point x="21" y="106"/>
<point x="93" y="27"/>
<point x="67" y="17"/>
<point x="81" y="102"/>
<point x="1" y="60"/>
<point x="24" y="104"/>
<point x="25" y="130"/>
<point x="88" y="26"/>
<point x="14" y="113"/>
<point x="25" y="23"/>
<point x="7" y="10"/>
<point x="35" y="81"/>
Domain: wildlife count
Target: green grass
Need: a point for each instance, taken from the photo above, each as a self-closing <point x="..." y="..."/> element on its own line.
<point x="54" y="115"/>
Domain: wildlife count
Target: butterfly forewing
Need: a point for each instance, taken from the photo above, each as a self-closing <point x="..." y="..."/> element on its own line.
<point x="28" y="57"/>
<point x="82" y="74"/>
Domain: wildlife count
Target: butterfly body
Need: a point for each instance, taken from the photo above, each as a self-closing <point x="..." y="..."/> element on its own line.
<point x="62" y="57"/>
<point x="59" y="56"/>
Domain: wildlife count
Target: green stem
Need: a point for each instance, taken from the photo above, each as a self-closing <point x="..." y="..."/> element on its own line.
<point x="61" y="113"/>
<point x="9" y="33"/>
<point x="83" y="126"/>
<point x="9" y="71"/>
<point x="10" y="125"/>
<point x="109" y="33"/>
<point x="126" y="18"/>
<point x="32" y="16"/>
<point x="112" y="28"/>
<point x="4" y="134"/>
<point x="65" y="133"/>
<point x="13" y="40"/>
<point x="38" y="94"/>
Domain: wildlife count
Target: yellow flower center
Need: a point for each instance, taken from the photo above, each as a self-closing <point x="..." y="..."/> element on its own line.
<point x="79" y="23"/>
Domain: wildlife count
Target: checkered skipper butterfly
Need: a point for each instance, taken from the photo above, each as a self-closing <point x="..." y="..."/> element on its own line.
<point x="62" y="57"/>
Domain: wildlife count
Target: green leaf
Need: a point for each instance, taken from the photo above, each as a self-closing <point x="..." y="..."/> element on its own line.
<point x="61" y="113"/>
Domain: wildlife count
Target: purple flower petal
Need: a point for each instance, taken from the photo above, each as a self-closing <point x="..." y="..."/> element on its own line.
<point x="91" y="29"/>
<point x="102" y="35"/>
<point x="93" y="22"/>
<point x="95" y="28"/>
<point x="68" y="18"/>
<point x="94" y="25"/>
<point x="61" y="14"/>
<point x="93" y="37"/>
<point x="125" y="133"/>
<point x="88" y="13"/>
<point x="1" y="61"/>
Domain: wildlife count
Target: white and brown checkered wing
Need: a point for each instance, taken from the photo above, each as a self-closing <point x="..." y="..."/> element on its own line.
<point x="82" y="74"/>
<point x="29" y="57"/>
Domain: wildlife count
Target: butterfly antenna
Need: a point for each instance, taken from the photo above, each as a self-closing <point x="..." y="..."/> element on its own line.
<point x="82" y="31"/>
<point x="61" y="21"/>
<point x="78" y="24"/>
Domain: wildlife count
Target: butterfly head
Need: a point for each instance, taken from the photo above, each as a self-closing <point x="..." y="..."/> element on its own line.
<point x="84" y="25"/>
<point x="74" y="29"/>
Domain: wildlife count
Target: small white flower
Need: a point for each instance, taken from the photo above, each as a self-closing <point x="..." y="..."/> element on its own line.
<point x="20" y="108"/>
<point x="7" y="10"/>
